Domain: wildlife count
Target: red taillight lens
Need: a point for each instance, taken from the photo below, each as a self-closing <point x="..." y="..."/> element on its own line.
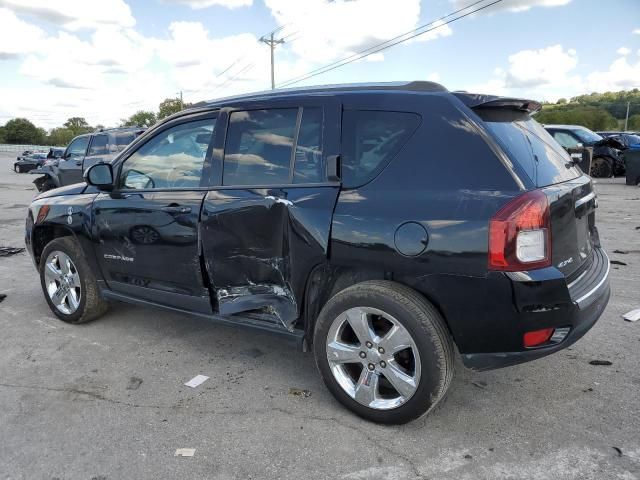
<point x="537" y="337"/>
<point x="520" y="234"/>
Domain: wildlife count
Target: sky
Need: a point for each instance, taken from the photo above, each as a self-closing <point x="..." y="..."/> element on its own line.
<point x="106" y="59"/>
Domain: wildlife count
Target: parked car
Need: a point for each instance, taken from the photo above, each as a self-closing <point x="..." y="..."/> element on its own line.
<point x="83" y="151"/>
<point x="606" y="158"/>
<point x="29" y="162"/>
<point x="378" y="225"/>
<point x="55" y="152"/>
<point x="628" y="139"/>
<point x="24" y="154"/>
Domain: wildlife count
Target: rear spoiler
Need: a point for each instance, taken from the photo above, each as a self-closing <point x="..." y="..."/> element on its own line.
<point x="474" y="101"/>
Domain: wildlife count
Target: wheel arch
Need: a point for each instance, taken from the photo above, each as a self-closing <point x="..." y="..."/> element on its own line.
<point x="326" y="281"/>
<point x="45" y="233"/>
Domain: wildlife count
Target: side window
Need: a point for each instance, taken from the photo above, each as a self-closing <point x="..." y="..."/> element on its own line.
<point x="121" y="140"/>
<point x="309" y="166"/>
<point x="564" y="139"/>
<point x="259" y="147"/>
<point x="172" y="159"/>
<point x="370" y="139"/>
<point x="98" y="145"/>
<point x="78" y="147"/>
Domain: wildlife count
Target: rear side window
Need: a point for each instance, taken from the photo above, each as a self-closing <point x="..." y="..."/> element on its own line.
<point x="122" y="139"/>
<point x="564" y="139"/>
<point x="370" y="139"/>
<point x="259" y="147"/>
<point x="533" y="149"/>
<point x="308" y="164"/>
<point x="99" y="145"/>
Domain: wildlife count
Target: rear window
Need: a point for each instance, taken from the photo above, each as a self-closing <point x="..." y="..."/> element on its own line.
<point x="122" y="139"/>
<point x="533" y="149"/>
<point x="370" y="139"/>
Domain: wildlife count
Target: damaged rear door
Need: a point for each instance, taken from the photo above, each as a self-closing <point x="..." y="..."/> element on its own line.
<point x="267" y="224"/>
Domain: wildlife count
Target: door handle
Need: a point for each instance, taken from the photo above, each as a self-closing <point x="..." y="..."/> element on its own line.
<point x="176" y="209"/>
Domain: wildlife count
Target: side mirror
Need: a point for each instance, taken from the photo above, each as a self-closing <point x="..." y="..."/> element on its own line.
<point x="100" y="175"/>
<point x="579" y="145"/>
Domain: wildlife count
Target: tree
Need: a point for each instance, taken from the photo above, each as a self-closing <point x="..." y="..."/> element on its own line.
<point x="22" y="131"/>
<point x="2" y="137"/>
<point x="169" y="106"/>
<point x="561" y="101"/>
<point x="141" y="118"/>
<point x="634" y="122"/>
<point x="78" y="125"/>
<point x="590" y="117"/>
<point x="60" y="136"/>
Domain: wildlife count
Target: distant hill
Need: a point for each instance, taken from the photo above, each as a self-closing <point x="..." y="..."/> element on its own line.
<point x="597" y="111"/>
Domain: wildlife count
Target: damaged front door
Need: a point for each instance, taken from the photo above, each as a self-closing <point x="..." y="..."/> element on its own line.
<point x="268" y="224"/>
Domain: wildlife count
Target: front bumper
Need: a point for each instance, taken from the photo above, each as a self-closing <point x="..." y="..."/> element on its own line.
<point x="589" y="295"/>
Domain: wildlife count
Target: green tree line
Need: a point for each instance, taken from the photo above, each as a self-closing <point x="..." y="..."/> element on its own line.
<point x="23" y="131"/>
<point x="597" y="111"/>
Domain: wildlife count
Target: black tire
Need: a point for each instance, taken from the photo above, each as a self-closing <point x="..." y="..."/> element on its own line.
<point x="17" y="168"/>
<point x="91" y="305"/>
<point x="601" y="167"/>
<point x="426" y="327"/>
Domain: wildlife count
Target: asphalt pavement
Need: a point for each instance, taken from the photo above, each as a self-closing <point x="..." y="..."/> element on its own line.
<point x="106" y="400"/>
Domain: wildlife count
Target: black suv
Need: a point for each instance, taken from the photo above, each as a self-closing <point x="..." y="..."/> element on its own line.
<point x="379" y="225"/>
<point x="83" y="151"/>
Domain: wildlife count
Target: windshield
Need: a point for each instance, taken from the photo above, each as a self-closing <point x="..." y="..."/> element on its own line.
<point x="586" y="135"/>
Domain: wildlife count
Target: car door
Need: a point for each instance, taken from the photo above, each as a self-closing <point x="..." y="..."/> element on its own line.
<point x="70" y="166"/>
<point x="146" y="230"/>
<point x="267" y="223"/>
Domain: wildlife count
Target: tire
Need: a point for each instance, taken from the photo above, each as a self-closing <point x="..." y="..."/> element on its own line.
<point x="17" y="168"/>
<point x="601" y="167"/>
<point x="384" y="303"/>
<point x="80" y="300"/>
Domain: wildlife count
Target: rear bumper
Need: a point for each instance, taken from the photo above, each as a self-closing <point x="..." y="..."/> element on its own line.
<point x="589" y="295"/>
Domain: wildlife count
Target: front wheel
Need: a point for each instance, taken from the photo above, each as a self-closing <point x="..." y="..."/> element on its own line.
<point x="68" y="283"/>
<point x="383" y="351"/>
<point x="601" y="167"/>
<point x="17" y="168"/>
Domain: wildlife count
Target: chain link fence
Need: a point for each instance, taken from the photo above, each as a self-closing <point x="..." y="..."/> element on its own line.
<point x="7" y="148"/>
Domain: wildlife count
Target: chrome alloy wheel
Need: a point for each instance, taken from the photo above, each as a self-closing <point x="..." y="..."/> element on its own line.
<point x="62" y="282"/>
<point x="373" y="358"/>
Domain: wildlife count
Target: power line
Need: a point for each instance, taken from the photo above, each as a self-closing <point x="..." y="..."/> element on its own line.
<point x="390" y="43"/>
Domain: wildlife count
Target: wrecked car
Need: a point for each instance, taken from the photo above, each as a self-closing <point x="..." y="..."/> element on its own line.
<point x="29" y="162"/>
<point x="607" y="160"/>
<point x="377" y="225"/>
<point x="83" y="151"/>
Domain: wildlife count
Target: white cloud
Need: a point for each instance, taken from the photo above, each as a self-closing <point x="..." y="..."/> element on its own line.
<point x="636" y="31"/>
<point x="330" y="30"/>
<point x="74" y="14"/>
<point x="436" y="30"/>
<point x="621" y="75"/>
<point x="514" y="5"/>
<point x="433" y="77"/>
<point x="11" y="29"/>
<point x="199" y="4"/>
<point x="623" y="51"/>
<point x="531" y="68"/>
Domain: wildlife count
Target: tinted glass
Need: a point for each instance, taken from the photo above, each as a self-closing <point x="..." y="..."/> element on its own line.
<point x="529" y="145"/>
<point x="633" y="139"/>
<point x="78" y="146"/>
<point x="370" y="139"/>
<point x="309" y="165"/>
<point x="122" y="139"/>
<point x="99" y="145"/>
<point x="172" y="159"/>
<point x="586" y="135"/>
<point x="566" y="140"/>
<point x="259" y="147"/>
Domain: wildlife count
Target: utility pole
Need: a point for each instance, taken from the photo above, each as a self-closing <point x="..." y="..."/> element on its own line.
<point x="181" y="102"/>
<point x="626" y="119"/>
<point x="272" y="42"/>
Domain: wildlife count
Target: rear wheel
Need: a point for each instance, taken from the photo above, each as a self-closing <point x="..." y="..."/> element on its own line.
<point x="68" y="283"/>
<point x="383" y="351"/>
<point x="17" y="168"/>
<point x="601" y="167"/>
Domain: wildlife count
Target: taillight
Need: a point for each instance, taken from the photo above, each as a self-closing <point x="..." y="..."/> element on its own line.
<point x="537" y="337"/>
<point x="520" y="234"/>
